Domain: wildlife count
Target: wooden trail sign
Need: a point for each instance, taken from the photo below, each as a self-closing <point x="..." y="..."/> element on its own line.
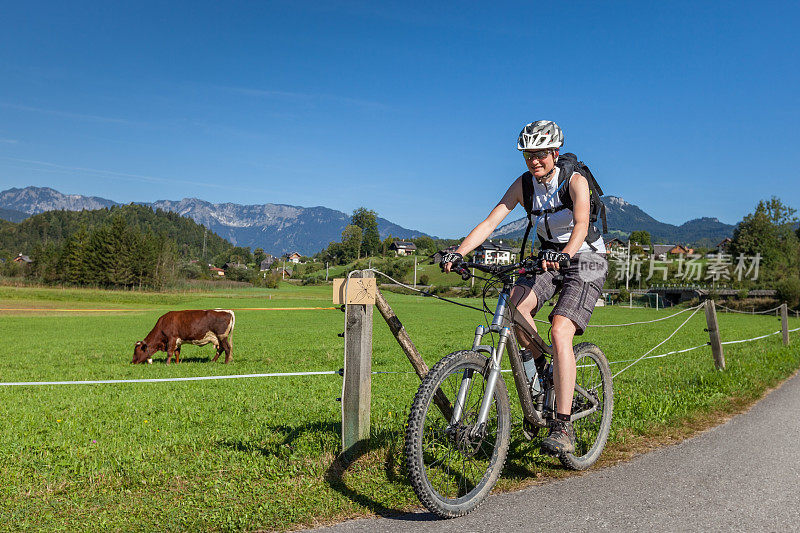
<point x="360" y="290"/>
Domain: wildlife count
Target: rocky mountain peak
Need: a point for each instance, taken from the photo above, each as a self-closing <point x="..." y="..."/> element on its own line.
<point x="277" y="228"/>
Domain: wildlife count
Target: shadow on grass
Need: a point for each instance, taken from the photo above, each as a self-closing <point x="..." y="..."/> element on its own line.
<point x="384" y="450"/>
<point x="386" y="441"/>
<point x="525" y="461"/>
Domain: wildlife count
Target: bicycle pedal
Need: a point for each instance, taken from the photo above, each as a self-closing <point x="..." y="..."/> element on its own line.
<point x="550" y="453"/>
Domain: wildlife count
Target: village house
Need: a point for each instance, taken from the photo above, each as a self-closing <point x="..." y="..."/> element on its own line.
<point x="724" y="245"/>
<point x="615" y="244"/>
<point x="679" y="249"/>
<point x="403" y="247"/>
<point x="266" y="263"/>
<point x="215" y="270"/>
<point x="23" y="259"/>
<point x="661" y="251"/>
<point x="293" y="257"/>
<point x="490" y="253"/>
<point x="227" y="266"/>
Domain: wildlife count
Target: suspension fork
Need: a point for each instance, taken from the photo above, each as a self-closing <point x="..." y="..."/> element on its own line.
<point x="491" y="384"/>
<point x="491" y="379"/>
<point x="466" y="377"/>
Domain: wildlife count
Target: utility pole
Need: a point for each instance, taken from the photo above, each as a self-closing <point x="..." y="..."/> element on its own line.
<point x="628" y="265"/>
<point x="283" y="272"/>
<point x="326" y="271"/>
<point x="204" y="243"/>
<point x="415" y="271"/>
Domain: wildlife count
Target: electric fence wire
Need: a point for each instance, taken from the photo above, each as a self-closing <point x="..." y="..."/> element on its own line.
<point x="696" y="309"/>
<point x="749" y="312"/>
<point x="164" y="380"/>
<point x="762" y="336"/>
<point x="646" y="321"/>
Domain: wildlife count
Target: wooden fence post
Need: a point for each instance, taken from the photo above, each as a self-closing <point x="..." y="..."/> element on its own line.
<point x="357" y="390"/>
<point x="785" y="323"/>
<point x="713" y="333"/>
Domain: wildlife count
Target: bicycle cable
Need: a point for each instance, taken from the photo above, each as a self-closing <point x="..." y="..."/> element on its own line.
<point x="423" y="292"/>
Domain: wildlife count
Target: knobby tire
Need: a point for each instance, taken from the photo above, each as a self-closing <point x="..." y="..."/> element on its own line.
<point x="451" y="477"/>
<point x="591" y="433"/>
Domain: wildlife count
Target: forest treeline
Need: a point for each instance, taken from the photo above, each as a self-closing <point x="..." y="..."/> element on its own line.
<point x="121" y="246"/>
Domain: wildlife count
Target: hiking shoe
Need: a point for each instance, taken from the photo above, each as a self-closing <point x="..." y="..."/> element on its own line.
<point x="561" y="439"/>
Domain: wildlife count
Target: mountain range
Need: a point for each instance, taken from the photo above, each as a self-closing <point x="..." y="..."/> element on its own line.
<point x="623" y="218"/>
<point x="276" y="228"/>
<point x="279" y="228"/>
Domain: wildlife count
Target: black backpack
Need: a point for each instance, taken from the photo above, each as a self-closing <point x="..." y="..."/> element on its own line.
<point x="568" y="164"/>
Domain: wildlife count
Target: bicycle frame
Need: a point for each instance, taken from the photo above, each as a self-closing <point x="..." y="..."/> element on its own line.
<point x="508" y="341"/>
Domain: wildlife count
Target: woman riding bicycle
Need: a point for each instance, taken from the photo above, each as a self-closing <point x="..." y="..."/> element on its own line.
<point x="563" y="234"/>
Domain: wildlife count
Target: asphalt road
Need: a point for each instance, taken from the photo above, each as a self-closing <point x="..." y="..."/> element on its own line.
<point x="741" y="476"/>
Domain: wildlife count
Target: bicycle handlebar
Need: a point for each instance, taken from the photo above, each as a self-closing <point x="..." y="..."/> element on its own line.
<point x="522" y="268"/>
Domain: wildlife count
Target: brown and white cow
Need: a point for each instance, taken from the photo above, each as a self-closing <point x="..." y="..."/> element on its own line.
<point x="199" y="327"/>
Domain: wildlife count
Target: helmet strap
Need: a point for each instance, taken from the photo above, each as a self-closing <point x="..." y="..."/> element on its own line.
<point x="546" y="176"/>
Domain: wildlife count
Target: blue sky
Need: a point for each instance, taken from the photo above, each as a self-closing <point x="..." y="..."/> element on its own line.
<point x="686" y="109"/>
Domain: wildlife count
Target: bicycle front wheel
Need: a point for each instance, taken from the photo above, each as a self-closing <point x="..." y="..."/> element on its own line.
<point x="454" y="466"/>
<point x="593" y="375"/>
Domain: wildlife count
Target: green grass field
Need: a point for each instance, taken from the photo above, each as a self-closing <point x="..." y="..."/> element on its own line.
<point x="259" y="453"/>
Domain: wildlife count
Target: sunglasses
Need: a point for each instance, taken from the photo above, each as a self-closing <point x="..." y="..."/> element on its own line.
<point x="538" y="154"/>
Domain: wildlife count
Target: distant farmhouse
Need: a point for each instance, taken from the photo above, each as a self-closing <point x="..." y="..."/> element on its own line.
<point x="490" y="253"/>
<point x="293" y="257"/>
<point x="403" y="247"/>
<point x="23" y="259"/>
<point x="724" y="245"/>
<point x="660" y="251"/>
<point x="266" y="263"/>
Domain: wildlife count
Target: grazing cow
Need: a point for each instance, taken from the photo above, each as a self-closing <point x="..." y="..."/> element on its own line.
<point x="199" y="327"/>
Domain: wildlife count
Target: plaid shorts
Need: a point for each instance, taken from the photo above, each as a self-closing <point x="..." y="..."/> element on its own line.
<point x="580" y="286"/>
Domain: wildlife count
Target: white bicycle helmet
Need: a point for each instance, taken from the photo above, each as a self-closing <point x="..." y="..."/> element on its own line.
<point x="540" y="135"/>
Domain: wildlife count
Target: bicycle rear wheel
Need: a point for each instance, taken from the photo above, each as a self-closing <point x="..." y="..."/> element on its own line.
<point x="591" y="431"/>
<point x="452" y="469"/>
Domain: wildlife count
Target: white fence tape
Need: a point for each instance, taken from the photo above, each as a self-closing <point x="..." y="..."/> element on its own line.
<point x="162" y="380"/>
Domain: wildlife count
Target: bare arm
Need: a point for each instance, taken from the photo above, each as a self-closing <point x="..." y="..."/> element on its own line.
<point x="481" y="232"/>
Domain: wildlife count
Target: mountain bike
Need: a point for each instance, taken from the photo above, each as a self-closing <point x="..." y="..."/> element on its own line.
<point x="459" y="426"/>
